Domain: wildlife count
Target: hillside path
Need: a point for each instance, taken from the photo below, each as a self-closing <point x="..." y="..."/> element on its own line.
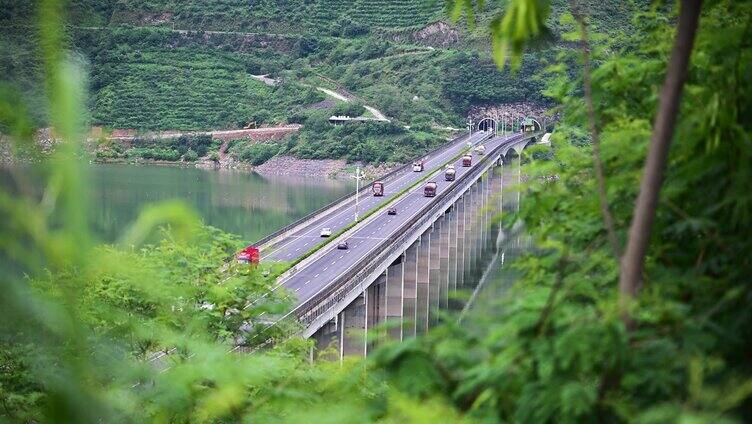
<point x="379" y="116"/>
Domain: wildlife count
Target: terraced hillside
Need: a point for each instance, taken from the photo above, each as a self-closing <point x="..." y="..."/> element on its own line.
<point x="280" y="16"/>
<point x="157" y="79"/>
<point x="396" y="13"/>
<point x="188" y="64"/>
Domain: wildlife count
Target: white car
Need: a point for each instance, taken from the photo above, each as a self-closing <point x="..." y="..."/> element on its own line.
<point x="326" y="232"/>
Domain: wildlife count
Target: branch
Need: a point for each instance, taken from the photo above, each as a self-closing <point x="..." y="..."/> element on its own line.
<point x="632" y="265"/>
<point x="600" y="175"/>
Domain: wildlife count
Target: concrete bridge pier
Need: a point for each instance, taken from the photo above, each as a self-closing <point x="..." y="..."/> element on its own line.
<point x="444" y="261"/>
<point x="471" y="227"/>
<point x="482" y="215"/>
<point x="481" y="221"/>
<point x="393" y="298"/>
<point x="491" y="210"/>
<point x="410" y="292"/>
<point x="460" y="276"/>
<point x="478" y="230"/>
<point x="422" y="283"/>
<point x="352" y="326"/>
<point x="375" y="312"/>
<point x="467" y="239"/>
<point x="434" y="286"/>
<point x="326" y="342"/>
<point x="452" y="272"/>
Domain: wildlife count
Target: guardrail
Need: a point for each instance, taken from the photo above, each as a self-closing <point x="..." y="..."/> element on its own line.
<point x="365" y="188"/>
<point x="320" y="303"/>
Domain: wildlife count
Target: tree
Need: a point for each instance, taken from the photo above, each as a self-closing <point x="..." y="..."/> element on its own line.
<point x="640" y="232"/>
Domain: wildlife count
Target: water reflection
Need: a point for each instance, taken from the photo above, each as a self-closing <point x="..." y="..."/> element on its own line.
<point x="243" y="203"/>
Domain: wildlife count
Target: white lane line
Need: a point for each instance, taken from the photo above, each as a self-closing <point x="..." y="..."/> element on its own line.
<point x="402" y="180"/>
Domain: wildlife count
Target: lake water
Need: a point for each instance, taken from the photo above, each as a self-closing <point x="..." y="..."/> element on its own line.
<point x="238" y="202"/>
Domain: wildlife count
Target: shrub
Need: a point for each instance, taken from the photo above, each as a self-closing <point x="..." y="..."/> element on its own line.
<point x="190" y="156"/>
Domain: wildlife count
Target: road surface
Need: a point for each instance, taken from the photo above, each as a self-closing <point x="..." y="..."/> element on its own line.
<point x="319" y="274"/>
<point x="300" y="242"/>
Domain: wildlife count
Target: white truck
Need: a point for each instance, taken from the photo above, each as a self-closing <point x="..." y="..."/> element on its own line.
<point x="450" y="173"/>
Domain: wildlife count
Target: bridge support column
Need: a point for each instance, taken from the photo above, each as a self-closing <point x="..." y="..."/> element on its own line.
<point x="424" y="258"/>
<point x="461" y="245"/>
<point x="394" y="293"/>
<point x="326" y="339"/>
<point x="452" y="260"/>
<point x="482" y="229"/>
<point x="375" y="312"/>
<point x="434" y="280"/>
<point x="469" y="237"/>
<point x="352" y="324"/>
<point x="444" y="261"/>
<point x="410" y="292"/>
<point x="481" y="215"/>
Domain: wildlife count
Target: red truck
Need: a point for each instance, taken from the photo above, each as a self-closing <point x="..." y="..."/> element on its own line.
<point x="467" y="160"/>
<point x="249" y="255"/>
<point x="378" y="188"/>
<point x="430" y="189"/>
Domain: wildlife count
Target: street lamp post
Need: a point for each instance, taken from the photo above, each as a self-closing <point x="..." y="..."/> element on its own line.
<point x="358" y="176"/>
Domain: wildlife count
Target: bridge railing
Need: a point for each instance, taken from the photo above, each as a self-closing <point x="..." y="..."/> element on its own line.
<point x="363" y="189"/>
<point x="338" y="290"/>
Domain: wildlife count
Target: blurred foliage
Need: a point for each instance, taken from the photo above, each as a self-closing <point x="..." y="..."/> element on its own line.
<point x="77" y="319"/>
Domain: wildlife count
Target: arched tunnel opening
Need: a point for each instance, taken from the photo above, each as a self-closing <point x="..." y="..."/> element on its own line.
<point x="487" y="124"/>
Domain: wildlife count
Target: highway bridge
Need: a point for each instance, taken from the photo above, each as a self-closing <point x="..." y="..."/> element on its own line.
<point x="399" y="269"/>
<point x="293" y="241"/>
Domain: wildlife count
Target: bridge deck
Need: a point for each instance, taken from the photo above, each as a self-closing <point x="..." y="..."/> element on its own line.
<point x="299" y="242"/>
<point x="319" y="274"/>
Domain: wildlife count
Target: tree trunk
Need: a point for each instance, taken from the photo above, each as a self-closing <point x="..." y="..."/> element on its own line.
<point x="600" y="174"/>
<point x="632" y="264"/>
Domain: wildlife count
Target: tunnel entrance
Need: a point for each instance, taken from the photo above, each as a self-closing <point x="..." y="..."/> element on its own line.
<point x="487" y="124"/>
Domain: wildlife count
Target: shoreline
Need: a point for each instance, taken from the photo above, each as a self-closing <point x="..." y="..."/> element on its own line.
<point x="337" y="169"/>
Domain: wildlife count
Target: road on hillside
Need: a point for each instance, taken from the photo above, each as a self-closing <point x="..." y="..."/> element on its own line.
<point x="300" y="242"/>
<point x="319" y="274"/>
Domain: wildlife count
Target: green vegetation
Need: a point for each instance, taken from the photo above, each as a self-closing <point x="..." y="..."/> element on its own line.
<point x="157" y="79"/>
<point x="187" y="147"/>
<point x="368" y="142"/>
<point x="153" y="65"/>
<point x="76" y="319"/>
<point x="253" y="152"/>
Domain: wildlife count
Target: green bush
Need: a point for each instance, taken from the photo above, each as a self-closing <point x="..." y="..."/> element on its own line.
<point x="154" y="153"/>
<point x="348" y="109"/>
<point x="368" y="142"/>
<point x="255" y="153"/>
<point x="190" y="156"/>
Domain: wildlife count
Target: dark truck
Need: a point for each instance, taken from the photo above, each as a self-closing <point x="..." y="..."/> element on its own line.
<point x="430" y="189"/>
<point x="378" y="188"/>
<point x="450" y="173"/>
